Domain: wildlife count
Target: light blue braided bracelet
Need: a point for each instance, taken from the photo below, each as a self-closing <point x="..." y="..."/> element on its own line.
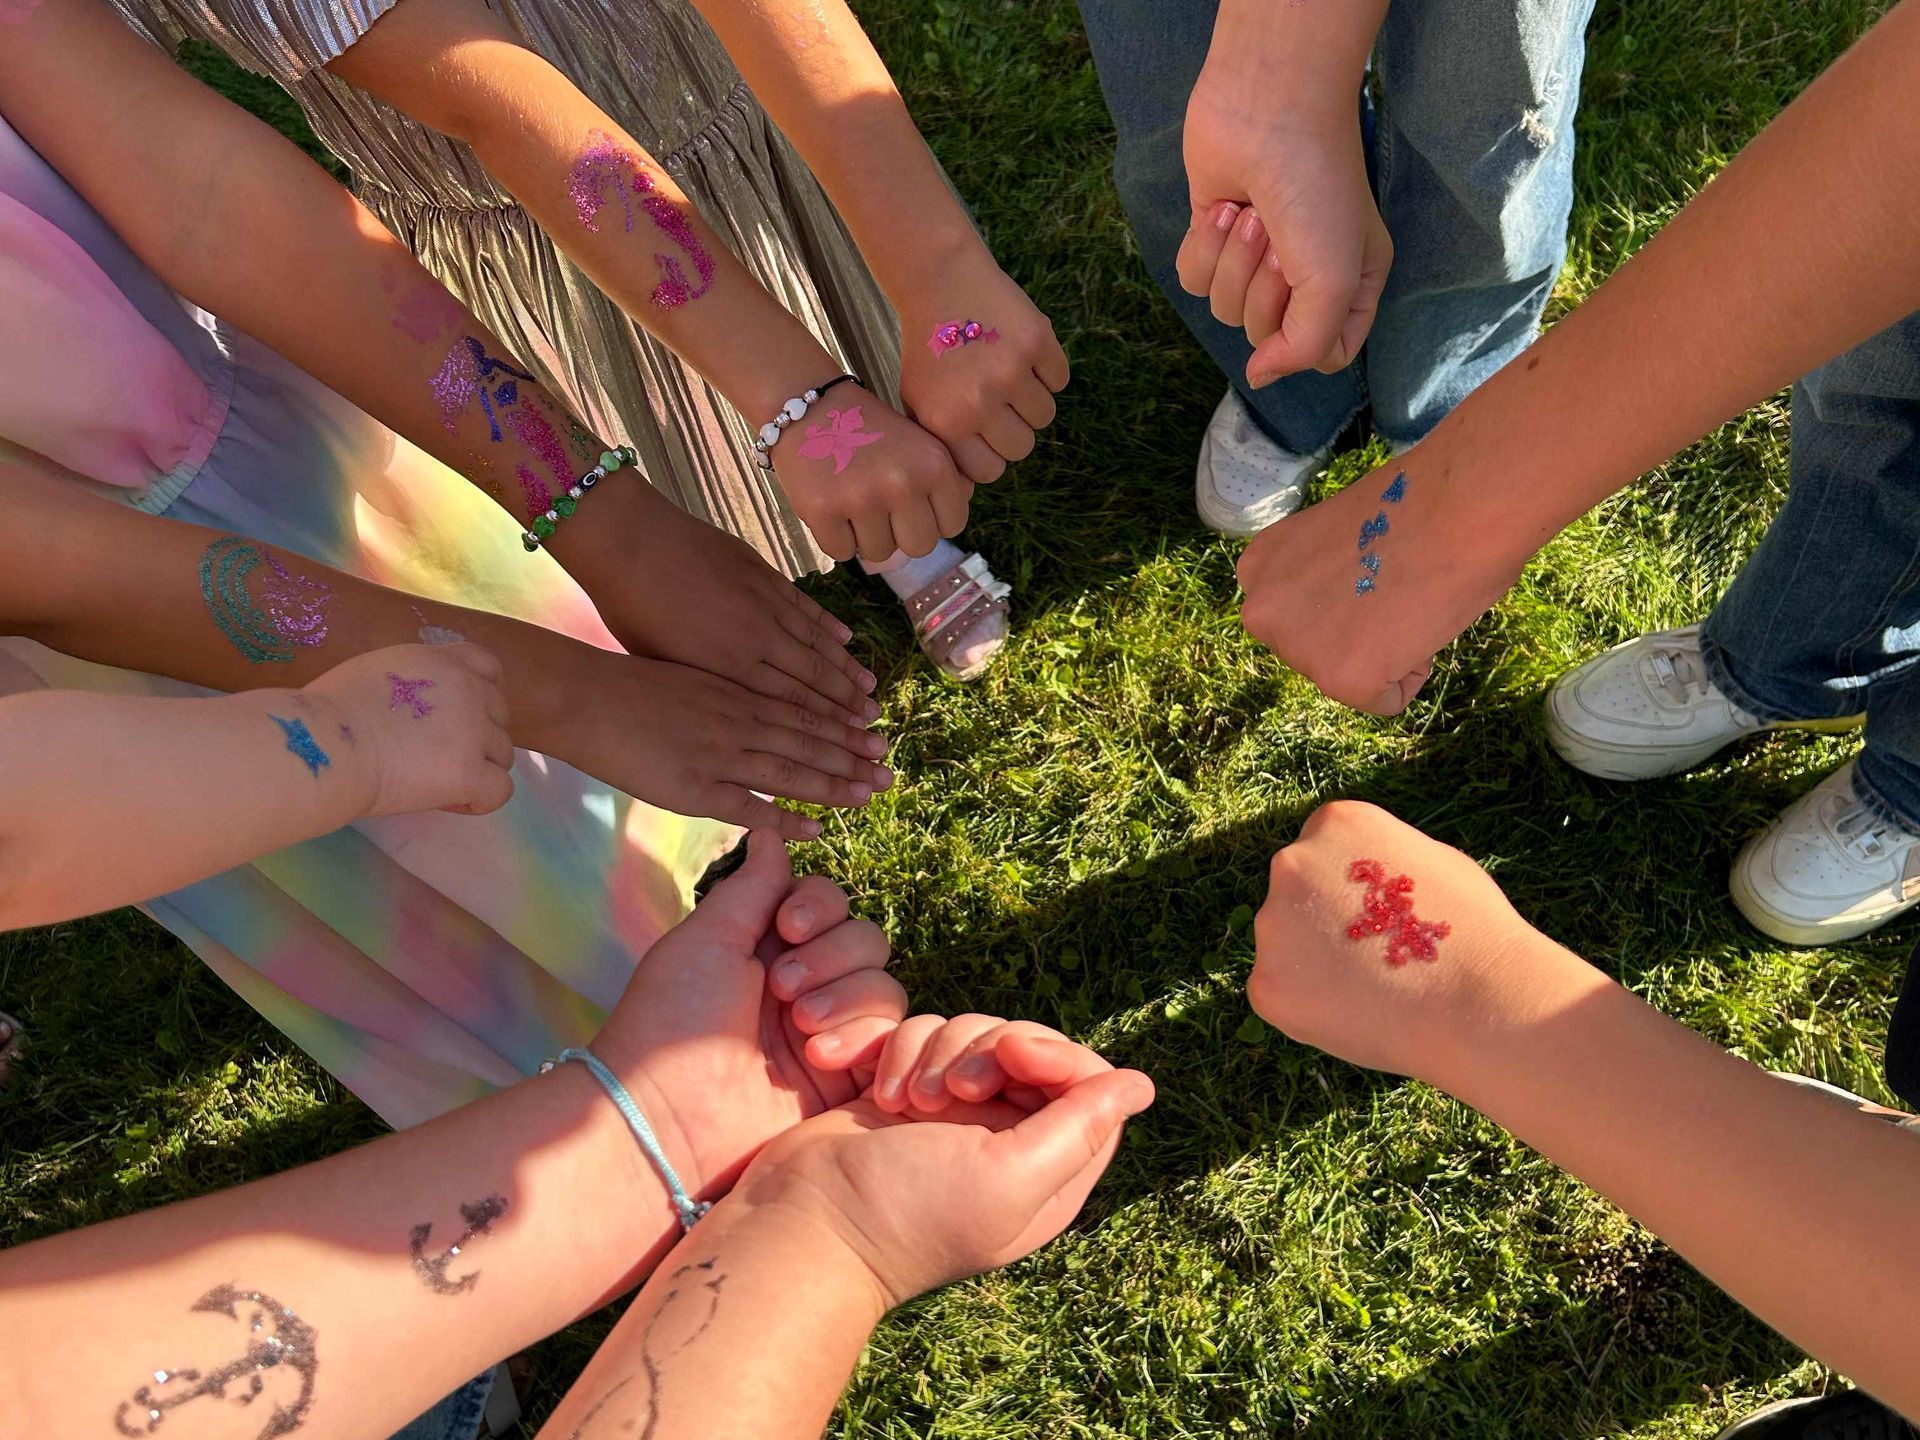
<point x="689" y="1209"/>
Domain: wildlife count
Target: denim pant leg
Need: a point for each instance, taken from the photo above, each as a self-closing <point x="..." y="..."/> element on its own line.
<point x="1824" y="620"/>
<point x="1149" y="54"/>
<point x="1475" y="172"/>
<point x="457" y="1417"/>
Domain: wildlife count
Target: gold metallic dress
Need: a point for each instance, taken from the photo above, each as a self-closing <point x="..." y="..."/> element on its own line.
<point x="659" y="71"/>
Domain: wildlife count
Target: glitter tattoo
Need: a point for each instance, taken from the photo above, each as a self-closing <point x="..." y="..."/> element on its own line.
<point x="838" y="439"/>
<point x="440" y="635"/>
<point x="955" y="333"/>
<point x="432" y="1270"/>
<point x="300" y="742"/>
<point x="1372" y="530"/>
<point x="468" y="373"/>
<point x="584" y="445"/>
<point x="1388" y="911"/>
<point x="289" y="1344"/>
<point x="403" y="691"/>
<point x="291" y="612"/>
<point x="530" y="427"/>
<point x="606" y="164"/>
<point x="424" y="310"/>
<point x="688" y="1310"/>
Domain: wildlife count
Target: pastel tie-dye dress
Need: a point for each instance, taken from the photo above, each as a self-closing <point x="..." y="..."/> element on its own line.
<point x="424" y="959"/>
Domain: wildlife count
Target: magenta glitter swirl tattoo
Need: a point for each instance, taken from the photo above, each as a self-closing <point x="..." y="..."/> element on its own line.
<point x="606" y="165"/>
<point x="277" y="1339"/>
<point x="531" y="429"/>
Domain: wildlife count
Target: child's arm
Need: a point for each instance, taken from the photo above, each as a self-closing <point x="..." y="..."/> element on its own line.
<point x="348" y="1296"/>
<point x="458" y="67"/>
<point x="1802" y="247"/>
<point x="110" y="799"/>
<point x="753" y="1324"/>
<point x="107" y="583"/>
<point x="232" y="216"/>
<point x="1788" y="1201"/>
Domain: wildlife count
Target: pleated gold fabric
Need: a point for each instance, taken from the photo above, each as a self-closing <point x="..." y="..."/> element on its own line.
<point x="659" y="71"/>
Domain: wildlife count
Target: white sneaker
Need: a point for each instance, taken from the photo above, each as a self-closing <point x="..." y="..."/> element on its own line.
<point x="1244" y="481"/>
<point x="1828" y="869"/>
<point x="1646" y="709"/>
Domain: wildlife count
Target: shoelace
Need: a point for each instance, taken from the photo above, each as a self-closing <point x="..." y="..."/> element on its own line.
<point x="1679" y="671"/>
<point x="1865" y="834"/>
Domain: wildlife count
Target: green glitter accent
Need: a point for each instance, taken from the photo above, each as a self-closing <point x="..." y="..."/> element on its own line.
<point x="224" y="568"/>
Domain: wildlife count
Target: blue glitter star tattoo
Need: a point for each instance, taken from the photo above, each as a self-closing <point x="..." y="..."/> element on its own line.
<point x="301" y="743"/>
<point x="1372" y="530"/>
<point x="1397" y="491"/>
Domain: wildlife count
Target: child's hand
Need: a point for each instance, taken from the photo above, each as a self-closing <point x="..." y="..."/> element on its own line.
<point x="979" y="366"/>
<point x="1226" y="256"/>
<point x="1441" y="966"/>
<point x="930" y="1063"/>
<point x="766" y="1005"/>
<point x="968" y="1189"/>
<point x="868" y="481"/>
<point x="429" y="724"/>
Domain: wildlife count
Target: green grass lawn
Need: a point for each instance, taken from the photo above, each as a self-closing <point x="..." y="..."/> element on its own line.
<point x="1285" y="1244"/>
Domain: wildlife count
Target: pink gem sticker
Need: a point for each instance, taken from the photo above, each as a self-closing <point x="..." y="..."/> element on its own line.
<point x="956" y="333"/>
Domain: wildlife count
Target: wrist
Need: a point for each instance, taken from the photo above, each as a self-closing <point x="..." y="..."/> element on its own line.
<point x="941" y="251"/>
<point x="1278" y="66"/>
<point x="796" y="1218"/>
<point x="353" y="762"/>
<point x="1501" y="1036"/>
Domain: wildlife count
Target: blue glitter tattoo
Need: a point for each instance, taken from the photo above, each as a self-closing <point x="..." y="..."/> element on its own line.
<point x="1363" y="586"/>
<point x="1370" y="564"/>
<point x="300" y="742"/>
<point x="1397" y="491"/>
<point x="1373" y="529"/>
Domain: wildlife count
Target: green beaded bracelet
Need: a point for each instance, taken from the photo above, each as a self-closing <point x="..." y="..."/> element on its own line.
<point x="543" y="526"/>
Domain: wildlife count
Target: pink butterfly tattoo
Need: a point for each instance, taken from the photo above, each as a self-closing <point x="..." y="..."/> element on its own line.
<point x="839" y="439"/>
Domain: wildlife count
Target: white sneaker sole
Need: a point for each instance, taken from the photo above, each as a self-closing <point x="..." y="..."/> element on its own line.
<point x="1645" y="762"/>
<point x="1793" y="930"/>
<point x="1216" y="514"/>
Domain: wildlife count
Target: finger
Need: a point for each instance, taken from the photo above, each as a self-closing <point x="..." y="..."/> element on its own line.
<point x="979" y="461"/>
<point x="898" y="1059"/>
<point x="814" y="613"/>
<point x="927" y="1087"/>
<point x="1267" y="298"/>
<point x="1397" y="696"/>
<point x="1009" y="435"/>
<point x="740" y="909"/>
<point x="1052" y="367"/>
<point x="792" y="779"/>
<point x="1365" y="305"/>
<point x="859" y="996"/>
<point x="814" y="908"/>
<point x="1238" y="263"/>
<point x="498" y="748"/>
<point x="992" y="1058"/>
<point x="874" y="535"/>
<point x="950" y="505"/>
<point x="822" y="632"/>
<point x="915" y="527"/>
<point x="1308" y="331"/>
<point x="857" y="1045"/>
<point x="1200" y="250"/>
<point x="846" y="949"/>
<point x="816" y="671"/>
<point x="738" y="805"/>
<point x="481" y="661"/>
<point x="792" y="734"/>
<point x="495" y="703"/>
<point x="1034" y="403"/>
<point x="493" y="789"/>
<point x="836" y="537"/>
<point x="1058" y="1143"/>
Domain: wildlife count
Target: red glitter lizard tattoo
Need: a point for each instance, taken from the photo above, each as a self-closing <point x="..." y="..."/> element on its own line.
<point x="1388" y="911"/>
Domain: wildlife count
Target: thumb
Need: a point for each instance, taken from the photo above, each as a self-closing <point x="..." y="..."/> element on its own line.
<point x="1044" y="1152"/>
<point x="1047" y="1062"/>
<point x="740" y="909"/>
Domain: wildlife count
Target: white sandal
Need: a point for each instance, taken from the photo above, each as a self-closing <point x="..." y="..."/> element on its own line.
<point x="955" y="609"/>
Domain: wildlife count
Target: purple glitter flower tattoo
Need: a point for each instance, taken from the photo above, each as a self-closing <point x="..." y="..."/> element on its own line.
<point x="608" y="166"/>
<point x="277" y="1339"/>
<point x="432" y="1269"/>
<point x="405" y="692"/>
<point x="291" y="611"/>
<point x="302" y="745"/>
<point x="468" y="373"/>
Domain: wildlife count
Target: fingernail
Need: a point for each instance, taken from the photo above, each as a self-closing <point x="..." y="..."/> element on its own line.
<point x="789" y="976"/>
<point x="1273" y="261"/>
<point x="882" y="778"/>
<point x="1252" y="229"/>
<point x="843" y="631"/>
<point x="871" y="711"/>
<point x="802" y="919"/>
<point x="868" y="680"/>
<point x="1263" y="379"/>
<point x="828" y="1044"/>
<point x="813" y="1009"/>
<point x="931" y="1083"/>
<point x="1138" y="1096"/>
<point x="971" y="1070"/>
<point x="860" y="793"/>
<point x="889" y="1091"/>
<point x="876" y="746"/>
<point x="810" y="829"/>
<point x="1224" y="215"/>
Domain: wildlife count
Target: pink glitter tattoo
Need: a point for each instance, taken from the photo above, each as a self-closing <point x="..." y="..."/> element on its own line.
<point x="839" y="439"/>
<point x="606" y="163"/>
<point x="1388" y="911"/>
<point x="296" y="605"/>
<point x="530" y="427"/>
<point x="955" y="333"/>
<point x="424" y="311"/>
<point x="407" y="692"/>
<point x="539" y="497"/>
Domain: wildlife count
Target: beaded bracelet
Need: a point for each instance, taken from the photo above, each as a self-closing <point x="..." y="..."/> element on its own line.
<point x="684" y="1205"/>
<point x="791" y="413"/>
<point x="543" y="526"/>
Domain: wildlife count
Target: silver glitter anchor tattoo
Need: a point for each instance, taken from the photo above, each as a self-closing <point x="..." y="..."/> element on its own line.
<point x="277" y="1338"/>
<point x="432" y="1269"/>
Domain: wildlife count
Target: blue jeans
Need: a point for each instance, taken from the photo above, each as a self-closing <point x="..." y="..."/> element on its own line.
<point x="457" y="1417"/>
<point x="1473" y="169"/>
<point x="1824" y="620"/>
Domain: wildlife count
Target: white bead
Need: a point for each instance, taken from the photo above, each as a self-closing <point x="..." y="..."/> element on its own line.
<point x="769" y="434"/>
<point x="795" y="409"/>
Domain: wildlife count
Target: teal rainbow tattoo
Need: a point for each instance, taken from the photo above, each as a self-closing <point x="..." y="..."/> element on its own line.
<point x="291" y="611"/>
